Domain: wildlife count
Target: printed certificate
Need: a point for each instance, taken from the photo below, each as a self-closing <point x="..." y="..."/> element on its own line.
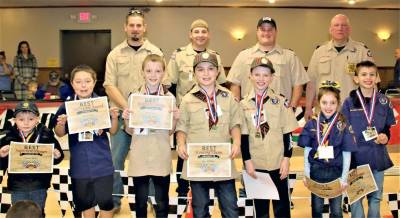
<point x="324" y="190"/>
<point x="30" y="158"/>
<point x="151" y="111"/>
<point x="88" y="114"/>
<point x="361" y="182"/>
<point x="209" y="160"/>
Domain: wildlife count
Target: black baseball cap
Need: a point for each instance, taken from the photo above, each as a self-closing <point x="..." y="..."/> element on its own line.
<point x="269" y="20"/>
<point x="27" y="106"/>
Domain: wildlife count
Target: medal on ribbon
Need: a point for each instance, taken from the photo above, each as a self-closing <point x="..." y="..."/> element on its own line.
<point x="322" y="137"/>
<point x="212" y="109"/>
<point x="258" y="115"/>
<point x="370" y="133"/>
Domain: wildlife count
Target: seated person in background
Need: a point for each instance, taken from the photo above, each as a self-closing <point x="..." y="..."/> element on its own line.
<point x="54" y="88"/>
<point x="5" y="73"/>
<point x="24" y="209"/>
<point x="32" y="89"/>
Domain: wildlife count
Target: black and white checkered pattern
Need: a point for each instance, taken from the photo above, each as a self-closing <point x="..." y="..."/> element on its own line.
<point x="346" y="205"/>
<point x="5" y="200"/>
<point x="325" y="209"/>
<point x="246" y="207"/>
<point x="61" y="182"/>
<point x="393" y="200"/>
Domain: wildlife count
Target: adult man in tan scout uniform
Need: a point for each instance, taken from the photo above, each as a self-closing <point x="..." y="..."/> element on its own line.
<point x="335" y="61"/>
<point x="180" y="73"/>
<point x="123" y="75"/>
<point x="290" y="74"/>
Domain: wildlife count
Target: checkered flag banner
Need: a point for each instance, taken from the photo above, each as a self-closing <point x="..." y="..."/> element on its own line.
<point x="246" y="207"/>
<point x="393" y="200"/>
<point x="5" y="196"/>
<point x="346" y="205"/>
<point x="61" y="182"/>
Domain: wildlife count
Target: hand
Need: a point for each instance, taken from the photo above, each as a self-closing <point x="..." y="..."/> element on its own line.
<point x="235" y="151"/>
<point x="250" y="168"/>
<point x="99" y="132"/>
<point x="182" y="152"/>
<point x="343" y="186"/>
<point x="308" y="114"/>
<point x="114" y="112"/>
<point x="56" y="153"/>
<point x="4" y="150"/>
<point x="284" y="170"/>
<point x="126" y="113"/>
<point x="382" y="139"/>
<point x="176" y="113"/>
<point x="305" y="182"/>
<point x="62" y="120"/>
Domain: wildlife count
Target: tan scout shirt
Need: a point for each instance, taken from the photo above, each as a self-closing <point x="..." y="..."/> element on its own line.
<point x="180" y="70"/>
<point x="124" y="66"/>
<point x="150" y="154"/>
<point x="193" y="122"/>
<point x="289" y="71"/>
<point x="327" y="64"/>
<point x="267" y="153"/>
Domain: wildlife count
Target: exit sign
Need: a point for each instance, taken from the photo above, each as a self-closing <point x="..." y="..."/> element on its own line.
<point x="84" y="17"/>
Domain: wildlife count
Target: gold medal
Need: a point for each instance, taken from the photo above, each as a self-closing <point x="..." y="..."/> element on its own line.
<point x="258" y="134"/>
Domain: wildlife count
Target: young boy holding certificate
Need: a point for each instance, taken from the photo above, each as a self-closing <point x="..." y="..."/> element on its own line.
<point x="266" y="136"/>
<point x="328" y="141"/>
<point x="371" y="115"/>
<point x="27" y="129"/>
<point x="209" y="114"/>
<point x="150" y="150"/>
<point x="91" y="167"/>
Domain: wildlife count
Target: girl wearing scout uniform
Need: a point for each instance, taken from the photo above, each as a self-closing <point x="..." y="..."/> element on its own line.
<point x="209" y="114"/>
<point x="328" y="141"/>
<point x="371" y="116"/>
<point x="267" y="126"/>
<point x="150" y="151"/>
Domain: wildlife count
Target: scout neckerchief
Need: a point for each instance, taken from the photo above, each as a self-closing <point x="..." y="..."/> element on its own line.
<point x="371" y="108"/>
<point x="154" y="93"/>
<point x="261" y="129"/>
<point x="325" y="134"/>
<point x="211" y="105"/>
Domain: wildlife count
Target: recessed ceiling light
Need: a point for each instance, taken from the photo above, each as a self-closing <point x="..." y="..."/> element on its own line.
<point x="271" y="1"/>
<point x="158" y="0"/>
<point x="352" y="2"/>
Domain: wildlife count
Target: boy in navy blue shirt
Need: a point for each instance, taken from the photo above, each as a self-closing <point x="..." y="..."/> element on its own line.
<point x="371" y="115"/>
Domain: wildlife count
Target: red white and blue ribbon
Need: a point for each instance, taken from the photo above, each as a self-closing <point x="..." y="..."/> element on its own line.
<point x="158" y="90"/>
<point x="326" y="133"/>
<point x="371" y="109"/>
<point x="259" y="106"/>
<point x="212" y="109"/>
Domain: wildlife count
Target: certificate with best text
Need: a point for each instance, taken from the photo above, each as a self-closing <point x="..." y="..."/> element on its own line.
<point x="361" y="182"/>
<point x="151" y="111"/>
<point x="30" y="158"/>
<point x="88" y="114"/>
<point x="209" y="160"/>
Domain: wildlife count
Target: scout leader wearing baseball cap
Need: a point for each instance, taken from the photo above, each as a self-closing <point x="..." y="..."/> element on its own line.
<point x="266" y="130"/>
<point x="289" y="71"/>
<point x="220" y="125"/>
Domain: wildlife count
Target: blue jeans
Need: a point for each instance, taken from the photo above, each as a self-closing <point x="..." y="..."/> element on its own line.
<point x="120" y="143"/>
<point x="374" y="198"/>
<point x="224" y="190"/>
<point x="38" y="196"/>
<point x="324" y="174"/>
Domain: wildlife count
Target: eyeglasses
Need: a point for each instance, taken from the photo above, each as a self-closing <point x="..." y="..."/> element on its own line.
<point x="136" y="12"/>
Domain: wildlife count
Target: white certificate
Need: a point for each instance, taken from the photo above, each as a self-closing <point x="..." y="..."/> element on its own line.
<point x="261" y="188"/>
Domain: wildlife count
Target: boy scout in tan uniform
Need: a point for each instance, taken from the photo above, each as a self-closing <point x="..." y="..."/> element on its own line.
<point x="180" y="66"/>
<point x="266" y="144"/>
<point x="196" y="126"/>
<point x="290" y="74"/>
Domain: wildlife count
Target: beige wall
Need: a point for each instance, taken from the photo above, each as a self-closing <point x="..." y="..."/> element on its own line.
<point x="299" y="29"/>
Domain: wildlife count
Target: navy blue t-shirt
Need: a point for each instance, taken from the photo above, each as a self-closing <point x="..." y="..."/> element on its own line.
<point x="340" y="138"/>
<point x="88" y="159"/>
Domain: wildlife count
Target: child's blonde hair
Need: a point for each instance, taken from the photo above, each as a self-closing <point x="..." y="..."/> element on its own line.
<point x="154" y="58"/>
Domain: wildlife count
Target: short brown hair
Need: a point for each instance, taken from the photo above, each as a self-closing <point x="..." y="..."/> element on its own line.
<point x="24" y="209"/>
<point x="85" y="68"/>
<point x="366" y="64"/>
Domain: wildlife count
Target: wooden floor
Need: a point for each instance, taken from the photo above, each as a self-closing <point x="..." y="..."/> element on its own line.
<point x="301" y="196"/>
